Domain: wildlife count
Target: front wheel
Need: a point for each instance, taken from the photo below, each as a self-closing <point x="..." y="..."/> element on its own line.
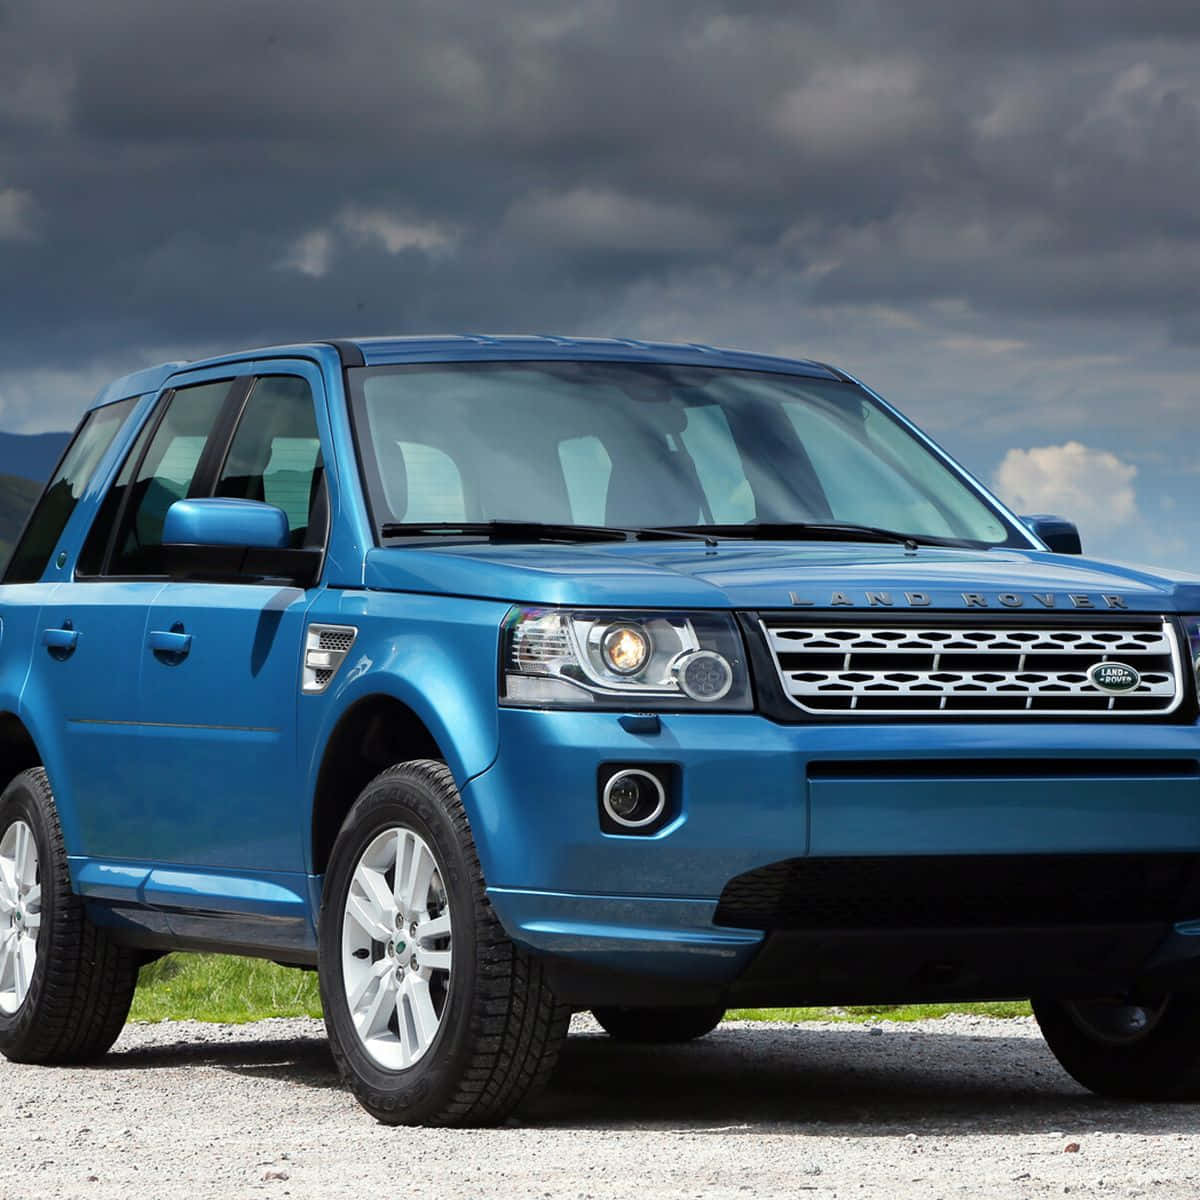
<point x="1148" y="1050"/>
<point x="657" y="1026"/>
<point x="434" y="1016"/>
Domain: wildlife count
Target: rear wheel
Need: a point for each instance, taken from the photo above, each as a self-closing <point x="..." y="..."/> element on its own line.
<point x="434" y="1016"/>
<point x="1149" y="1050"/>
<point x="65" y="988"/>
<point x="682" y="1023"/>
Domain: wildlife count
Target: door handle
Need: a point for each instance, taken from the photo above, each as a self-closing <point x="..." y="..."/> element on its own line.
<point x="170" y="645"/>
<point x="61" y="642"/>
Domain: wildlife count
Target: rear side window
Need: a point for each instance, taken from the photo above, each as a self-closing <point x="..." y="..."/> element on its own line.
<point x="66" y="485"/>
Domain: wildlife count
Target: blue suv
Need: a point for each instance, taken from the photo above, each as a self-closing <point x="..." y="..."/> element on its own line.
<point x="495" y="678"/>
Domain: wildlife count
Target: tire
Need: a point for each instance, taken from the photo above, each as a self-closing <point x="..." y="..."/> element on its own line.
<point x="468" y="1030"/>
<point x="659" y="1026"/>
<point x="1127" y="1051"/>
<point x="65" y="987"/>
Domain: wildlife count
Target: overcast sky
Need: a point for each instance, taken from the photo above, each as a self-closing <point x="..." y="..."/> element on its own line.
<point x="989" y="212"/>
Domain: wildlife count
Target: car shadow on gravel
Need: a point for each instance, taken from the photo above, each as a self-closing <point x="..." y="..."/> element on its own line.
<point x="814" y="1081"/>
<point x="300" y="1060"/>
<point x="747" y="1080"/>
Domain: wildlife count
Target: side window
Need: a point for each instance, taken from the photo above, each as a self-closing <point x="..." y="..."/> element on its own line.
<point x="58" y="502"/>
<point x="275" y="454"/>
<point x="163" y="476"/>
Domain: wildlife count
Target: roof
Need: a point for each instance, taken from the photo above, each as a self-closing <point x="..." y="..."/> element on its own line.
<point x="483" y="347"/>
<point x="461" y="347"/>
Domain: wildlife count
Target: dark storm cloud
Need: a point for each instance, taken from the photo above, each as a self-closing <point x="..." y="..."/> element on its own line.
<point x="175" y="176"/>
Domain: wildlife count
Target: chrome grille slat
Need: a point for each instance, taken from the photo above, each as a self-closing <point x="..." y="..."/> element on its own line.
<point x="958" y="669"/>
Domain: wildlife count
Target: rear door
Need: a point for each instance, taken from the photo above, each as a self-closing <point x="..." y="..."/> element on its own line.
<point x="85" y="674"/>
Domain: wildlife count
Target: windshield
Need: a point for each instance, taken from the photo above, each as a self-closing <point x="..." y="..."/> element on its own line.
<point x="632" y="445"/>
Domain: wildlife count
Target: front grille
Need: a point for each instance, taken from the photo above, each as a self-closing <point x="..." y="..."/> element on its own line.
<point x="1023" y="668"/>
<point x="969" y="891"/>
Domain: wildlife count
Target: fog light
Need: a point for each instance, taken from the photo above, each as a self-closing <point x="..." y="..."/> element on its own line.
<point x="634" y="798"/>
<point x="703" y="675"/>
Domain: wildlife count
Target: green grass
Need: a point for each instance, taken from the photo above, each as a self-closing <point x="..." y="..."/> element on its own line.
<point x="216" y="987"/>
<point x="882" y="1012"/>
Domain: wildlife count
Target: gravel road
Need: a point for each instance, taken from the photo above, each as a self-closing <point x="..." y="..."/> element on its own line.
<point x="966" y="1106"/>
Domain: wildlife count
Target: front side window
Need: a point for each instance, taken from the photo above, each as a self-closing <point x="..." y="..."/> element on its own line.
<point x="633" y="445"/>
<point x="163" y="475"/>
<point x="275" y="455"/>
<point x="62" y="493"/>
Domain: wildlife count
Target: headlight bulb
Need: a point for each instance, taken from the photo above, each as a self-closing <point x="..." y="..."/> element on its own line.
<point x="626" y="649"/>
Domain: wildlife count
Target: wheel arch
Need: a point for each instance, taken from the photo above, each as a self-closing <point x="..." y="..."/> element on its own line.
<point x="375" y="732"/>
<point x="18" y="750"/>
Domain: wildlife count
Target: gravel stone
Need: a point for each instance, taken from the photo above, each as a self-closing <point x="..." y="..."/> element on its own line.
<point x="962" y="1107"/>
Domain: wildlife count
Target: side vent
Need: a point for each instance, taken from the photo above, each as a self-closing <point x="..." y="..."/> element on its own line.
<point x="325" y="648"/>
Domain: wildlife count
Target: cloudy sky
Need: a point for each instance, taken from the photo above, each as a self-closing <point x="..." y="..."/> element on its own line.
<point x="989" y="212"/>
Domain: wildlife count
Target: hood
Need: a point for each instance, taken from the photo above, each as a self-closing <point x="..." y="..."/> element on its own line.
<point x="774" y="575"/>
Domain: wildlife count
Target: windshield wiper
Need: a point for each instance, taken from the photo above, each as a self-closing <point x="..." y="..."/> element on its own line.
<point x="538" y="531"/>
<point x="785" y="531"/>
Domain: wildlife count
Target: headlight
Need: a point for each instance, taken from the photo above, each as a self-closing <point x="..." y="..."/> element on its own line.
<point x="568" y="658"/>
<point x="1192" y="625"/>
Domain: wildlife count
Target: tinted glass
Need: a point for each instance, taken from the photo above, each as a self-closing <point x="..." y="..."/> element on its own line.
<point x="276" y="454"/>
<point x="634" y="445"/>
<point x="62" y="493"/>
<point x="164" y="476"/>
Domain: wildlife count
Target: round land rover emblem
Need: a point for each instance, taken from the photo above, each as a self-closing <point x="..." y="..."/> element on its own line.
<point x="1114" y="677"/>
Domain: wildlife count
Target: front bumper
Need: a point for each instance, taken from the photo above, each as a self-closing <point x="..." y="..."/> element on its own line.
<point x="752" y="793"/>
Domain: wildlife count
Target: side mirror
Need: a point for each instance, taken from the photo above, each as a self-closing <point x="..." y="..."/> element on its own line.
<point x="223" y="540"/>
<point x="1058" y="533"/>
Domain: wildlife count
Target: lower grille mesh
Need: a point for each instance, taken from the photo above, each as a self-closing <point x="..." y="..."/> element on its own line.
<point x="970" y="891"/>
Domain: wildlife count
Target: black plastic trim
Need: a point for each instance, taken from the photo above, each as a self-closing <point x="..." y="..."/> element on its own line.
<point x="349" y="352"/>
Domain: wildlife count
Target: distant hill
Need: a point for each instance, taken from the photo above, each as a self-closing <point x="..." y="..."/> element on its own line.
<point x="26" y="460"/>
<point x="31" y="455"/>
<point x="17" y="498"/>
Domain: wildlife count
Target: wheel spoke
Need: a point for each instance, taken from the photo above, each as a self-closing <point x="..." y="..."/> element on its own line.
<point x="33" y="922"/>
<point x="24" y="858"/>
<point x="425" y="1018"/>
<point x="8" y="946"/>
<point x="409" y="1039"/>
<point x="437" y="960"/>
<point x="20" y="971"/>
<point x="363" y="914"/>
<point x="376" y="1015"/>
<point x="374" y="890"/>
<point x="413" y="895"/>
<point x="33" y="898"/>
<point x="434" y="927"/>
<point x="356" y="995"/>
<point x="8" y="883"/>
